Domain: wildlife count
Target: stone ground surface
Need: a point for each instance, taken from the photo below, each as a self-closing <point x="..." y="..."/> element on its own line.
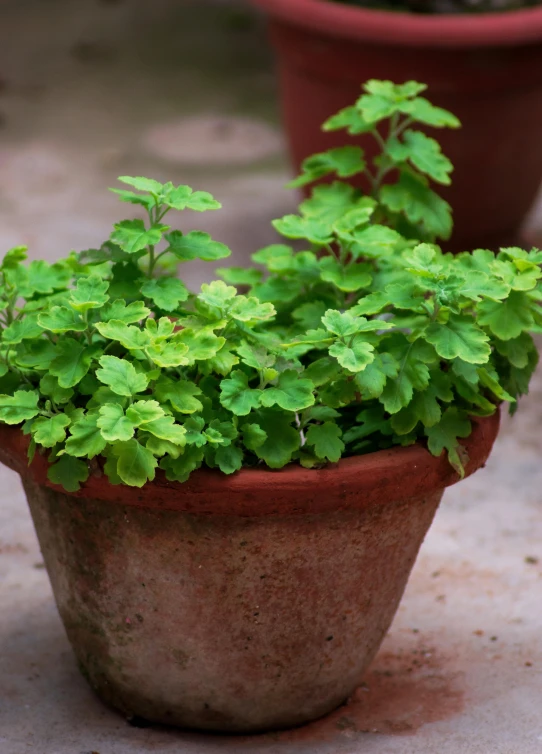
<point x="185" y="91"/>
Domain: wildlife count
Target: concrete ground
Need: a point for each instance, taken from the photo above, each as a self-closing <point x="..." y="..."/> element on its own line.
<point x="185" y="91"/>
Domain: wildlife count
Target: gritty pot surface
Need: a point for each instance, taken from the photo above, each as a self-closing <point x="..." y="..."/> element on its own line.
<point x="516" y="27"/>
<point x="237" y="604"/>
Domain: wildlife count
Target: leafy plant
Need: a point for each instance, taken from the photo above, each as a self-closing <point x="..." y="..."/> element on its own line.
<point x="366" y="338"/>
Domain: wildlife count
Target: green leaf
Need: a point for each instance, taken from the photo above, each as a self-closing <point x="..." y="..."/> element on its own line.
<point x="171" y="354"/>
<point x="179" y="469"/>
<point x="68" y="472"/>
<point x="253" y="436"/>
<point x="49" y="386"/>
<point x="181" y="395"/>
<point x="166" y="293"/>
<point x="349" y="118"/>
<point x="132" y="236"/>
<point x="19" y="407"/>
<point x="424" y="153"/>
<point x="90" y="293"/>
<point x="165" y="428"/>
<point x="183" y="197"/>
<point x="355" y="356"/>
<point x="61" y="319"/>
<point x="85" y="437"/>
<point x="129" y="336"/>
<point x="282" y="439"/>
<point x="507" y="319"/>
<point x="201" y="345"/>
<point x="316" y="231"/>
<point x="121" y="376"/>
<point x="72" y="361"/>
<point x="444" y="436"/>
<point x="134" y="312"/>
<point x="27" y="328"/>
<point x="372" y="380"/>
<point x="459" y="338"/>
<point x="195" y="245"/>
<point x="413" y="372"/>
<point x="229" y="459"/>
<point x="142" y="412"/>
<point x="148" y="185"/>
<point x="251" y="310"/>
<point x="516" y="350"/>
<point x="420" y="205"/>
<point x="257" y="357"/>
<point x="326" y="441"/>
<point x="490" y="380"/>
<point x="349" y="278"/>
<point x="239" y="275"/>
<point x="423" y="407"/>
<point x="48" y="432"/>
<point x="136" y="464"/>
<point x="292" y="392"/>
<point x="423" y="111"/>
<point x="113" y="423"/>
<point x="329" y="203"/>
<point x="237" y="396"/>
<point x="344" y="161"/>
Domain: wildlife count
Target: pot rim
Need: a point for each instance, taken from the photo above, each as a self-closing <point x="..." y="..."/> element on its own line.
<point x="497" y="29"/>
<point x="385" y="476"/>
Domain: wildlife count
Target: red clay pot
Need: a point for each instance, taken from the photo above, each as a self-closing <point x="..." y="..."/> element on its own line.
<point x="486" y="68"/>
<point x="241" y="603"/>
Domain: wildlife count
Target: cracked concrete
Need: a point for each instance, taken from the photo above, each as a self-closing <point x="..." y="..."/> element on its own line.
<point x="185" y="91"/>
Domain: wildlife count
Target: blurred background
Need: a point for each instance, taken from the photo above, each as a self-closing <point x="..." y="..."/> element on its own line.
<point x="180" y="90"/>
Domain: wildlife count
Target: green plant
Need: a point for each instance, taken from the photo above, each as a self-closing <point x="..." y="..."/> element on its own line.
<point x="366" y="338"/>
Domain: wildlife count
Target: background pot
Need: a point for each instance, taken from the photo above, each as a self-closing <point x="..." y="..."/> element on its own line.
<point x="238" y="603"/>
<point x="486" y="69"/>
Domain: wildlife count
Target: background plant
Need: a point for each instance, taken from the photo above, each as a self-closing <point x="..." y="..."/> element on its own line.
<point x="365" y="338"/>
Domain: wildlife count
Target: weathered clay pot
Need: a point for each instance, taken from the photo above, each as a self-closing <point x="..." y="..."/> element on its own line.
<point x="240" y="603"/>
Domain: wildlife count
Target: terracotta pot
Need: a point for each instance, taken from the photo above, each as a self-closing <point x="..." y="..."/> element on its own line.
<point x="241" y="603"/>
<point x="486" y="68"/>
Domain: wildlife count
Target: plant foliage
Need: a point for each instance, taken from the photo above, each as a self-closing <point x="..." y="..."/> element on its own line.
<point x="368" y="337"/>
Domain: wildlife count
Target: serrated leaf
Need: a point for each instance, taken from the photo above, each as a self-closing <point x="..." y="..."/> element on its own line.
<point x="413" y="373"/>
<point x="355" y="356"/>
<point x="424" y="407"/>
<point x="170" y="354"/>
<point x="179" y="469"/>
<point x="237" y="396"/>
<point x="460" y="338"/>
<point x="129" y="336"/>
<point x="349" y="118"/>
<point x="424" y="153"/>
<point x="507" y="319"/>
<point x="141" y="412"/>
<point x="326" y="440"/>
<point x="47" y="432"/>
<point x="257" y="357"/>
<point x="85" y="437"/>
<point x="61" y="319"/>
<point x="201" y="345"/>
<point x="140" y="183"/>
<point x="181" y="394"/>
<point x="372" y="380"/>
<point x="196" y="245"/>
<point x="26" y="328"/>
<point x="282" y="439"/>
<point x="72" y="361"/>
<point x="114" y="424"/>
<point x="49" y="386"/>
<point x="166" y="429"/>
<point x="516" y="350"/>
<point x="344" y="161"/>
<point x="90" y="293"/>
<point x="251" y="310"/>
<point x="423" y="111"/>
<point x="121" y="376"/>
<point x="239" y="275"/>
<point x="292" y="392"/>
<point x="167" y="293"/>
<point x="253" y="436"/>
<point x="316" y="231"/>
<point x="68" y="472"/>
<point x="229" y="459"/>
<point x="348" y="278"/>
<point x="118" y="310"/>
<point x="136" y="464"/>
<point x="419" y="204"/>
<point x="132" y="235"/>
<point x="19" y="407"/>
<point x="444" y="436"/>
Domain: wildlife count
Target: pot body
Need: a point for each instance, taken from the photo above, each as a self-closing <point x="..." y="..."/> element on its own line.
<point x="226" y="623"/>
<point x="240" y="603"/>
<point x="493" y="84"/>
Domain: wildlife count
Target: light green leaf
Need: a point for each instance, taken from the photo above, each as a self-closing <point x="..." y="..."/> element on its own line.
<point x="424" y="153"/>
<point x="201" y="345"/>
<point x="239" y="275"/>
<point x="121" y="376"/>
<point x="419" y="204"/>
<point x="459" y="338"/>
<point x="444" y="436"/>
<point x="129" y="336"/>
<point x="19" y="407"/>
<point x="181" y="394"/>
<point x="113" y="423"/>
<point x="413" y="372"/>
<point x="134" y="312"/>
<point x="90" y="293"/>
<point x="196" y="245"/>
<point x="68" y="472"/>
<point x="326" y="441"/>
<point x="171" y="354"/>
<point x="165" y="428"/>
<point x="26" y="328"/>
<point x="136" y="464"/>
<point x="142" y="412"/>
<point x="423" y="111"/>
<point x="355" y="356"/>
<point x="132" y="236"/>
<point x="85" y="437"/>
<point x="251" y="310"/>
<point x="349" y="278"/>
<point x="61" y="319"/>
<point x="507" y="319"/>
<point x="47" y="432"/>
<point x="167" y="293"/>
<point x="372" y="380"/>
<point x="314" y="230"/>
<point x="292" y="392"/>
<point x="344" y="161"/>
